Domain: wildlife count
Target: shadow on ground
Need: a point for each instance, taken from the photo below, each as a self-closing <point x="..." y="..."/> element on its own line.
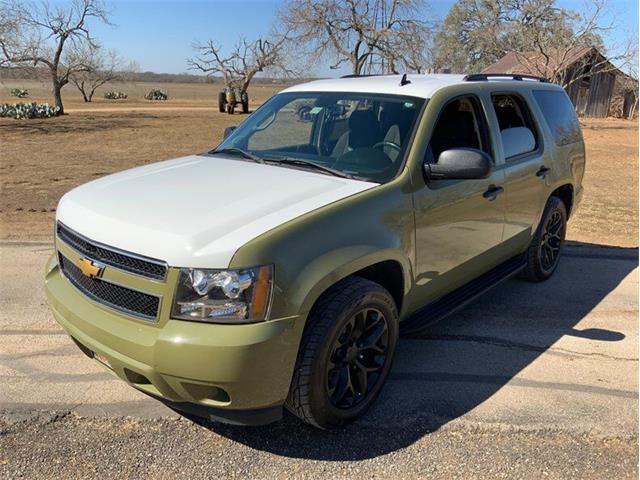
<point x="459" y="363"/>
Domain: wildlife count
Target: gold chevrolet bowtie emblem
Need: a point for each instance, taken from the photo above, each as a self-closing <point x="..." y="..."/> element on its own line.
<point x="90" y="268"/>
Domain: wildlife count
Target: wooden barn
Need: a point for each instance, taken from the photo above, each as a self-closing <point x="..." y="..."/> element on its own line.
<point x="587" y="76"/>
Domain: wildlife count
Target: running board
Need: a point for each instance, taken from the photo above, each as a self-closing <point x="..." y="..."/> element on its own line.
<point x="451" y="302"/>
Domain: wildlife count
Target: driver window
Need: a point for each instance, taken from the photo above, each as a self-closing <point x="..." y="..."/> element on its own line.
<point x="290" y="129"/>
<point x="458" y="126"/>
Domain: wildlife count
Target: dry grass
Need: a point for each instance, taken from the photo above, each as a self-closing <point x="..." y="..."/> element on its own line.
<point x="42" y="159"/>
<point x="190" y="95"/>
<point x="608" y="214"/>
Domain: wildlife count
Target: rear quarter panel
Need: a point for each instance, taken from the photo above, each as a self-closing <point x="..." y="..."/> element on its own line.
<point x="568" y="161"/>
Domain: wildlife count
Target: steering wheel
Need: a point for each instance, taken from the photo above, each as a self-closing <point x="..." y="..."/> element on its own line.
<point x="387" y="143"/>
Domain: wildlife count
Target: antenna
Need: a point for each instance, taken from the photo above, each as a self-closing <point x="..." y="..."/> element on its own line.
<point x="404" y="80"/>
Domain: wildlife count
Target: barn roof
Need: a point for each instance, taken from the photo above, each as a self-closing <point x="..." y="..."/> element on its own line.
<point x="524" y="63"/>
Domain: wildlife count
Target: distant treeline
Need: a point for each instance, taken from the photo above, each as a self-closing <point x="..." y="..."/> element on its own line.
<point x="38" y="74"/>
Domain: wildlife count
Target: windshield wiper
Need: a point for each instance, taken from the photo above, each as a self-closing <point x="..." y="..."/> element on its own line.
<point x="308" y="163"/>
<point x="239" y="151"/>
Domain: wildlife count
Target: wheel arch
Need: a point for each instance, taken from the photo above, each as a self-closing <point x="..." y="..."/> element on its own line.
<point x="390" y="275"/>
<point x="387" y="268"/>
<point x="565" y="193"/>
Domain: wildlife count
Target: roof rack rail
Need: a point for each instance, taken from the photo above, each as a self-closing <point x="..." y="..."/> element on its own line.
<point x="354" y="75"/>
<point x="484" y="77"/>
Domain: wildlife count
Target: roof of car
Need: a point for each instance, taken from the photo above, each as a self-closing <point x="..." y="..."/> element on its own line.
<point x="421" y="85"/>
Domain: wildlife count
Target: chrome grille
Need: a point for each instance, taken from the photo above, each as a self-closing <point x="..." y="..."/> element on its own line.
<point x="145" y="267"/>
<point x="120" y="298"/>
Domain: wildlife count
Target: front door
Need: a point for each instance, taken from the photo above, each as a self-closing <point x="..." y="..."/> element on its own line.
<point x="458" y="222"/>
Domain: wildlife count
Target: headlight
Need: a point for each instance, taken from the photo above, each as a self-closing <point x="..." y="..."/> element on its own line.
<point x="223" y="296"/>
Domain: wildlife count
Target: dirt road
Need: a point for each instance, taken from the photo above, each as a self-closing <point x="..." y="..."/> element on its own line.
<point x="532" y="380"/>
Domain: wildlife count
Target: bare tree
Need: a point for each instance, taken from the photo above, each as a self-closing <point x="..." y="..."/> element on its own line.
<point x="549" y="51"/>
<point x="38" y="34"/>
<point x="8" y="29"/>
<point x="366" y="34"/>
<point x="476" y="34"/>
<point x="101" y="67"/>
<point x="409" y="50"/>
<point x="244" y="61"/>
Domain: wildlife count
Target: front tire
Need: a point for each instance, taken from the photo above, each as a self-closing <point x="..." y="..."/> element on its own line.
<point x="543" y="254"/>
<point x="345" y="354"/>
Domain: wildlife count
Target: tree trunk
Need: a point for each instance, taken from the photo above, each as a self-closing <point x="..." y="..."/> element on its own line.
<point x="247" y="80"/>
<point x="355" y="66"/>
<point x="57" y="96"/>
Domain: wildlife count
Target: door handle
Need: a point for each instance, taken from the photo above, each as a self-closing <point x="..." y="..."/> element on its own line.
<point x="543" y="171"/>
<point x="492" y="193"/>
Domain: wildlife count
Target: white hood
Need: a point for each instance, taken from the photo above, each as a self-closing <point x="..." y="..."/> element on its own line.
<point x="196" y="211"/>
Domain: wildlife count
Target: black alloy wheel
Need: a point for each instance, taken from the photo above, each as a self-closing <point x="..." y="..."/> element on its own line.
<point x="543" y="254"/>
<point x="346" y="353"/>
<point x="358" y="356"/>
<point x="551" y="241"/>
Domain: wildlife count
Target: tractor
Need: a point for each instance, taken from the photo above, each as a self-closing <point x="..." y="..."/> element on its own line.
<point x="230" y="97"/>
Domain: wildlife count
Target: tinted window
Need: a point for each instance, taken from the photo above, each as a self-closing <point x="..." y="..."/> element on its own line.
<point x="560" y="115"/>
<point x="459" y="125"/>
<point x="513" y="112"/>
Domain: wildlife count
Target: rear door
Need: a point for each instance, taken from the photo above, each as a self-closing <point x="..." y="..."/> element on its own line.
<point x="526" y="167"/>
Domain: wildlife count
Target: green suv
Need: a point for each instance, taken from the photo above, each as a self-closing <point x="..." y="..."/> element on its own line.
<point x="280" y="268"/>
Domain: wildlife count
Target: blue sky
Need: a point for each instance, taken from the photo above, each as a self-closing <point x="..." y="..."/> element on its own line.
<point x="158" y="34"/>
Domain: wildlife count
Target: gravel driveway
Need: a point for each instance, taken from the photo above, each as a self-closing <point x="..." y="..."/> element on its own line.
<point x="533" y="380"/>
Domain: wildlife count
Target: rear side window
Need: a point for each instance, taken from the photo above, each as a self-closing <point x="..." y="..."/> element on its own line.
<point x="512" y="113"/>
<point x="560" y="115"/>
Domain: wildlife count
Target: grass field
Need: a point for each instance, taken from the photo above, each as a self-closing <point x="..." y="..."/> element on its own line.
<point x="180" y="95"/>
<point x="42" y="159"/>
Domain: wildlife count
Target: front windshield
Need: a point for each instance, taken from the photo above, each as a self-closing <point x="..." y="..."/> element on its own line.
<point x="358" y="134"/>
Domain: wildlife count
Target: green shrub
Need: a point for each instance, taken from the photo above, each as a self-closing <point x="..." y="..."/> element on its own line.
<point x="19" y="92"/>
<point x="113" y="95"/>
<point x="156" y="94"/>
<point x="28" y="110"/>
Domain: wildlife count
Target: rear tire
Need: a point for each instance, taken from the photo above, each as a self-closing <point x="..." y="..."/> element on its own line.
<point x="543" y="254"/>
<point x="345" y="354"/>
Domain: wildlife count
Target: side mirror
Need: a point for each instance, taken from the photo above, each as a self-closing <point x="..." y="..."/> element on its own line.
<point x="459" y="164"/>
<point x="228" y="131"/>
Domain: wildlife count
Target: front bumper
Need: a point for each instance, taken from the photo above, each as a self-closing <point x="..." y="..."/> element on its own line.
<point x="244" y="370"/>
